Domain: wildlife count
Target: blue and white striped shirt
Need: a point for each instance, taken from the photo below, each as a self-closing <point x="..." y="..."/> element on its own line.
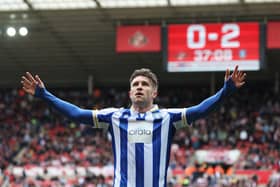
<point x="141" y="143"/>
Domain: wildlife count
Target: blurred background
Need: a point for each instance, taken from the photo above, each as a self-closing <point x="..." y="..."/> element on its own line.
<point x="85" y="51"/>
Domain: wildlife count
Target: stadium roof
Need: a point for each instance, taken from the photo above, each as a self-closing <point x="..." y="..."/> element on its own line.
<point x="70" y="40"/>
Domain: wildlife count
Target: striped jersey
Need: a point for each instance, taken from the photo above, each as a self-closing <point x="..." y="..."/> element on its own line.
<point x="141" y="143"/>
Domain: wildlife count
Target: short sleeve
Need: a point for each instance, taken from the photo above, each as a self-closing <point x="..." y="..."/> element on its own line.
<point x="178" y="117"/>
<point x="102" y="118"/>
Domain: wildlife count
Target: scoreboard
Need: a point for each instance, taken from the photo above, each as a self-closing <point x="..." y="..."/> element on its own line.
<point x="213" y="47"/>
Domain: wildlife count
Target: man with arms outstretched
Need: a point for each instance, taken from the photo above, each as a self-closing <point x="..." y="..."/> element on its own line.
<point x="141" y="134"/>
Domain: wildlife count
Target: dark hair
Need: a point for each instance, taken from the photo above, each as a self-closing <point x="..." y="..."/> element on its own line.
<point x="146" y="73"/>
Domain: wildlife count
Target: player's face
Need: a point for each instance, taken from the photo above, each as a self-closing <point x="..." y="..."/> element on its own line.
<point x="142" y="92"/>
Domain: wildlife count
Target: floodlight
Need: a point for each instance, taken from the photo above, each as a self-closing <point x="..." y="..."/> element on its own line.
<point x="23" y="31"/>
<point x="11" y="31"/>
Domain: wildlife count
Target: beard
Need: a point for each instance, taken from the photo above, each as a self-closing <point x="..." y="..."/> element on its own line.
<point x="141" y="103"/>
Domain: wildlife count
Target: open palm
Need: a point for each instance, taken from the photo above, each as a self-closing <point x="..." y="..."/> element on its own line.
<point x="29" y="83"/>
<point x="238" y="77"/>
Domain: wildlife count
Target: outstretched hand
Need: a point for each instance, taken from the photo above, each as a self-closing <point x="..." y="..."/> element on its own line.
<point x="29" y="83"/>
<point x="238" y="77"/>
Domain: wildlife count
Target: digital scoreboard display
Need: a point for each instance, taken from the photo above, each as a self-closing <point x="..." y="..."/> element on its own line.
<point x="213" y="47"/>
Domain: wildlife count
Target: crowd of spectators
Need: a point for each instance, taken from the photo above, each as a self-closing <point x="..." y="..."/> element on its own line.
<point x="32" y="134"/>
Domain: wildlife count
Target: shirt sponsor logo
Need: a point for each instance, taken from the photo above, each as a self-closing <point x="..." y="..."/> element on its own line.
<point x="140" y="132"/>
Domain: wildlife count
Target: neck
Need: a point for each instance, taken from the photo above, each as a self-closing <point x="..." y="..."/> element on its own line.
<point x="142" y="109"/>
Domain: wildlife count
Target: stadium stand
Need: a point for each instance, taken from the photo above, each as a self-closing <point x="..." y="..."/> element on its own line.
<point x="42" y="148"/>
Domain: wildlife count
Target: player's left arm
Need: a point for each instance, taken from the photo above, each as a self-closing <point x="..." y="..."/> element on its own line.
<point x="232" y="83"/>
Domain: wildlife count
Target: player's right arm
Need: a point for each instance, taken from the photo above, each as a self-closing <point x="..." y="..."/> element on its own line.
<point x="36" y="87"/>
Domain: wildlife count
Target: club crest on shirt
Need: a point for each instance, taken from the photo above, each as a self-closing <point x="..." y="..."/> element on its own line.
<point x="140" y="132"/>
